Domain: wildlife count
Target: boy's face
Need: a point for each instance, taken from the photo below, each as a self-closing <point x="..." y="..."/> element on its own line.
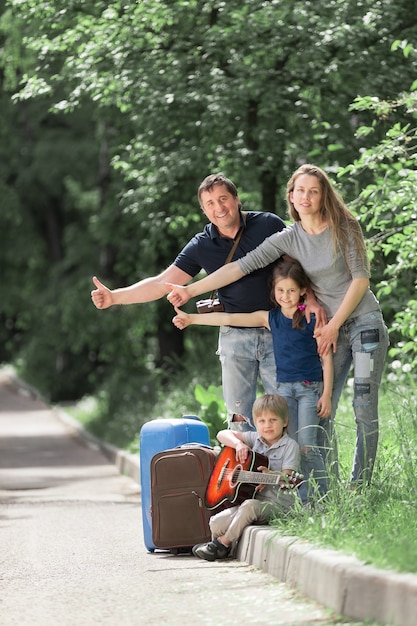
<point x="270" y="426"/>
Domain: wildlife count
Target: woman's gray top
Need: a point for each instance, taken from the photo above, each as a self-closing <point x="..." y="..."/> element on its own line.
<point x="329" y="274"/>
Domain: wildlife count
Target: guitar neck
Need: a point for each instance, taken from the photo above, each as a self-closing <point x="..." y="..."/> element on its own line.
<point x="258" y="478"/>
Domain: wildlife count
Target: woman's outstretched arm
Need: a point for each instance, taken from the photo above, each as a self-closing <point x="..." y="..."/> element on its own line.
<point x="225" y="275"/>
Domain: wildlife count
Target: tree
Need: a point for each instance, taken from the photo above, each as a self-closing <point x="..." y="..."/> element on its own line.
<point x="164" y="92"/>
<point x="386" y="206"/>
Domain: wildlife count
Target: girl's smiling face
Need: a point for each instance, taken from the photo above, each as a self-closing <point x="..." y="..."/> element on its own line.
<point x="287" y="295"/>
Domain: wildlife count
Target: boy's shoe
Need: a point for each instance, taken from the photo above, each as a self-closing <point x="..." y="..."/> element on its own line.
<point x="199" y="545"/>
<point x="211" y="551"/>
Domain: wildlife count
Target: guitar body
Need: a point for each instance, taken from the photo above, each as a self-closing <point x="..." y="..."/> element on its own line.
<point x="223" y="485"/>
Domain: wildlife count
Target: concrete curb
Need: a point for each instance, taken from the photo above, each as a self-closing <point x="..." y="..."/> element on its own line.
<point x="340" y="582"/>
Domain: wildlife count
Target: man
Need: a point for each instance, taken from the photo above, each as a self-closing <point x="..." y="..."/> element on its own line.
<point x="244" y="353"/>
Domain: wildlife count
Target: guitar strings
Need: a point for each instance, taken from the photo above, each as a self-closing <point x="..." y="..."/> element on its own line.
<point x="260" y="477"/>
<point x="267" y="477"/>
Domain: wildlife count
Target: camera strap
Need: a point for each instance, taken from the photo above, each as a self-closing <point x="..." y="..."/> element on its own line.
<point x="232" y="251"/>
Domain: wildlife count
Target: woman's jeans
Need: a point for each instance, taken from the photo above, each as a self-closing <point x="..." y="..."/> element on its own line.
<point x="245" y="354"/>
<point x="364" y="341"/>
<point x="302" y="398"/>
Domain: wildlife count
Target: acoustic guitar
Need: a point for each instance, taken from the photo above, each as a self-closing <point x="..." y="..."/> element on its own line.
<point x="233" y="481"/>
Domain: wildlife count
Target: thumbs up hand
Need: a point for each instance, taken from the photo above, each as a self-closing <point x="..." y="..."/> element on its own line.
<point x="102" y="297"/>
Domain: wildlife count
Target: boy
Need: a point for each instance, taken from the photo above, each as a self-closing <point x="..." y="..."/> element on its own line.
<point x="270" y="415"/>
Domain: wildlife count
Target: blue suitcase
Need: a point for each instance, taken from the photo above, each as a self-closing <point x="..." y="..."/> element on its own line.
<point x="156" y="436"/>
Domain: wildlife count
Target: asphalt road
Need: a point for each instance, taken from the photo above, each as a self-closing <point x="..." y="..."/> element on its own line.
<point x="72" y="551"/>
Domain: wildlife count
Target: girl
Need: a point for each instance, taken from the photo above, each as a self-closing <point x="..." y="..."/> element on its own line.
<point x="328" y="241"/>
<point x="303" y="379"/>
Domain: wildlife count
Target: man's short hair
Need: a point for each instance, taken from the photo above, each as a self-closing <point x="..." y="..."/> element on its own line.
<point x="216" y="179"/>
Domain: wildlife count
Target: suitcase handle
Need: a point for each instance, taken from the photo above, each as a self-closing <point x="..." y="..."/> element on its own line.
<point x="195" y="445"/>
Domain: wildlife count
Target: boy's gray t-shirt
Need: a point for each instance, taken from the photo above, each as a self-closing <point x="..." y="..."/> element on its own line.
<point x="284" y="454"/>
<point x="330" y="275"/>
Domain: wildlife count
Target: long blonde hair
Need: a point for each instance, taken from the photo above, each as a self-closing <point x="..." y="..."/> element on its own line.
<point x="334" y="211"/>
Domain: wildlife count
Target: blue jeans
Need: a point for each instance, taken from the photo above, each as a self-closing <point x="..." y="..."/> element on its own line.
<point x="245" y="354"/>
<point x="303" y="426"/>
<point x="363" y="341"/>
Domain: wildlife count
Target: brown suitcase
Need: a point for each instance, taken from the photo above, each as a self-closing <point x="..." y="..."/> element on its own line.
<point x="179" y="478"/>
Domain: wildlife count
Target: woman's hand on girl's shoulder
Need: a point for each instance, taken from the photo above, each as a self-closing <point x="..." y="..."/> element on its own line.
<point x="319" y="312"/>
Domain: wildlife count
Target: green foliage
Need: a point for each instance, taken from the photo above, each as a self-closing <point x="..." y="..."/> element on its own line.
<point x="230" y="81"/>
<point x="117" y="413"/>
<point x="114" y="112"/>
<point x="386" y="208"/>
<point x="212" y="411"/>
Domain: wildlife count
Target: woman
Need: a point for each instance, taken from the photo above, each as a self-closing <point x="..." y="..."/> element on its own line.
<point x="327" y="240"/>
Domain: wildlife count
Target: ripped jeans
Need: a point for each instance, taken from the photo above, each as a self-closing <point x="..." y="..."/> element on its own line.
<point x="363" y="341"/>
<point x="245" y="354"/>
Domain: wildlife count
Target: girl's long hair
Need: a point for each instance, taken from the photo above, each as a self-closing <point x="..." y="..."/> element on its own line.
<point x="343" y="225"/>
<point x="290" y="268"/>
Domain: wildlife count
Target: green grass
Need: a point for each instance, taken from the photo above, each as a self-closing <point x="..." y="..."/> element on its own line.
<point x="378" y="524"/>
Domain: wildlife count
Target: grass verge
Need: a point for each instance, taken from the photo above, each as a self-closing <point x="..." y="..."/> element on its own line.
<point x="377" y="524"/>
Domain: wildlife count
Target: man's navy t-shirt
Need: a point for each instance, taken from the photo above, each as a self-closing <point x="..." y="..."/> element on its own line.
<point x="208" y="251"/>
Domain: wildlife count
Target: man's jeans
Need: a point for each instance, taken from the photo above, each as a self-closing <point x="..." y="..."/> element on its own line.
<point x="245" y="354"/>
<point x="364" y="341"/>
<point x="303" y="426"/>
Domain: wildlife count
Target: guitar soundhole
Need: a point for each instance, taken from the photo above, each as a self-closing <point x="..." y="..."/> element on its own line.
<point x="221" y="475"/>
<point x="234" y="477"/>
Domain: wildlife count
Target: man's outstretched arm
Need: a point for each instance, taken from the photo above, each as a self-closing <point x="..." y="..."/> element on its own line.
<point x="146" y="290"/>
